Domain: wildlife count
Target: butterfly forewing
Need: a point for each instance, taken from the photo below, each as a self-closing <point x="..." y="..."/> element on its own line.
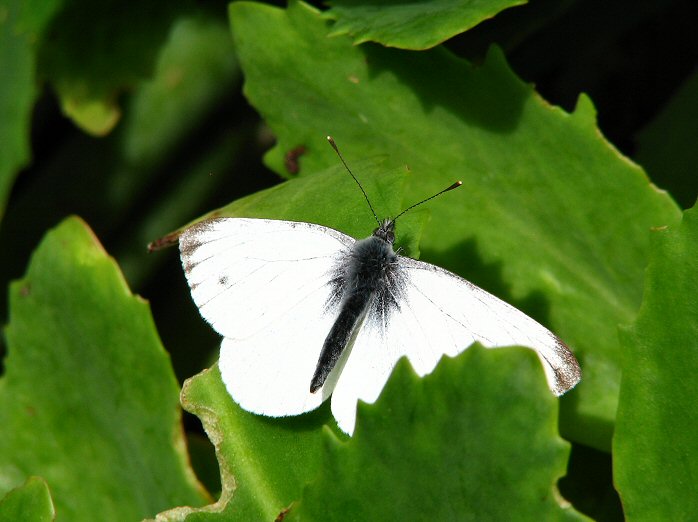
<point x="245" y="274"/>
<point x="454" y="311"/>
<point x="265" y="286"/>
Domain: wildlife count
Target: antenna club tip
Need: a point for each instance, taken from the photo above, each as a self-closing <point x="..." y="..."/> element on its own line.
<point x="330" y="139"/>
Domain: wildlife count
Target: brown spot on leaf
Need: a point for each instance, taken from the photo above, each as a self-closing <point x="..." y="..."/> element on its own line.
<point x="291" y="159"/>
<point x="282" y="514"/>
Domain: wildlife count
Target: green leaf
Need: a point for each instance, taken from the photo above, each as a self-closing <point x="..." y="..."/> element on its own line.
<point x="655" y="444"/>
<point x="89" y="399"/>
<point x="194" y="69"/>
<point x="551" y="217"/>
<point x="431" y="449"/>
<point x="264" y="462"/>
<point x="30" y="501"/>
<point x="411" y="25"/>
<point x="91" y="55"/>
<point x="666" y="147"/>
<point x="19" y="26"/>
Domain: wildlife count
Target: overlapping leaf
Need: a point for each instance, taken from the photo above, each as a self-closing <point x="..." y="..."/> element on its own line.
<point x="88" y="400"/>
<point x="91" y="53"/>
<point x="411" y="25"/>
<point x="264" y="462"/>
<point x="655" y="444"/>
<point x="20" y="25"/>
<point x="432" y="449"/>
<point x="551" y="217"/>
<point x="30" y="501"/>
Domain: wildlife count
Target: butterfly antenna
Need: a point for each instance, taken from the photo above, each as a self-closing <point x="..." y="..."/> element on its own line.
<point x="334" y="146"/>
<point x="454" y="186"/>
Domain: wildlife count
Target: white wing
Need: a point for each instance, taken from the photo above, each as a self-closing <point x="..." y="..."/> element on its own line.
<point x="441" y="313"/>
<point x="264" y="285"/>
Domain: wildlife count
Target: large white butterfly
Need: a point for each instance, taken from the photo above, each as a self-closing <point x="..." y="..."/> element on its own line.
<point x="307" y="312"/>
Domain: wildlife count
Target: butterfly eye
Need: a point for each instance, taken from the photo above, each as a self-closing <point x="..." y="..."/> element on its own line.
<point x="385" y="232"/>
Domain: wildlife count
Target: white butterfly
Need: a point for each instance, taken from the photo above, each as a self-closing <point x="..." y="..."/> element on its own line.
<point x="307" y="312"/>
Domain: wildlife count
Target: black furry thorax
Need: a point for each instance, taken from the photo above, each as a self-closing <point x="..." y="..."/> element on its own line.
<point x="370" y="269"/>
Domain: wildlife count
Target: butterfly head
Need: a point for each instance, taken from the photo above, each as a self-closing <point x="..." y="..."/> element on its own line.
<point x="386" y="231"/>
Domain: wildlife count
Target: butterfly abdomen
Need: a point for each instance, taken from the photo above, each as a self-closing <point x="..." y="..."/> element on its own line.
<point x="366" y="273"/>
